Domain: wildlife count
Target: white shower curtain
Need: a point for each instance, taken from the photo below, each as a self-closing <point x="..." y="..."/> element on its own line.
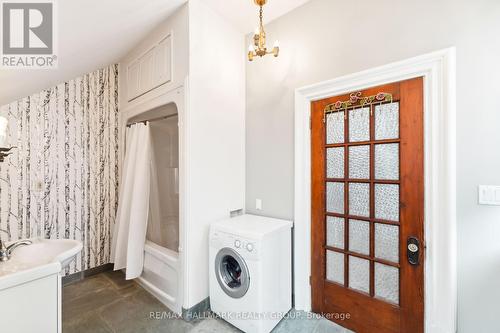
<point x="133" y="206"/>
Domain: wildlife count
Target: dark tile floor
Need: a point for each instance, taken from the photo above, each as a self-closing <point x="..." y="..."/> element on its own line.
<point x="107" y="303"/>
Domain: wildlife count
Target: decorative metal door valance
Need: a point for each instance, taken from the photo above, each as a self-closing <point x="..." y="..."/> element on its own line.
<point x="356" y="100"/>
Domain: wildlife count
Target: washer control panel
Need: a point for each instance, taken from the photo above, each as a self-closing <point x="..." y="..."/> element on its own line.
<point x="244" y="246"/>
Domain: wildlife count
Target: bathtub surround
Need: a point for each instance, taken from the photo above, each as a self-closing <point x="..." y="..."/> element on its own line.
<point x="163" y="223"/>
<point x="62" y="180"/>
<point x="161" y="271"/>
<point x="162" y="268"/>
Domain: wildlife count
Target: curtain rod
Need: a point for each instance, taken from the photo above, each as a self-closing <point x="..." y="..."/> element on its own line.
<point x="154" y="119"/>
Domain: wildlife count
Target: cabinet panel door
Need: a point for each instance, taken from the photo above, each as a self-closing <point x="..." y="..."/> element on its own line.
<point x="147" y="68"/>
<point x="30" y="307"/>
<point x="133" y="80"/>
<point x="163" y="62"/>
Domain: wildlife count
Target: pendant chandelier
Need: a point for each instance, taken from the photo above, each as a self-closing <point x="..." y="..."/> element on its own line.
<point x="258" y="48"/>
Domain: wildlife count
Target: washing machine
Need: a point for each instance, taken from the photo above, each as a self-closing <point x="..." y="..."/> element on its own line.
<point x="250" y="271"/>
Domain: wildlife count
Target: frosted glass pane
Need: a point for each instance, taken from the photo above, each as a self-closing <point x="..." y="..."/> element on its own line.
<point x="335" y="197"/>
<point x="387" y="121"/>
<point x="359" y="162"/>
<point x="359" y="125"/>
<point x="359" y="274"/>
<point x="387" y="242"/>
<point x="387" y="161"/>
<point x="359" y="236"/>
<point x="335" y="267"/>
<point x="387" y="283"/>
<point x="335" y="127"/>
<point x="387" y="202"/>
<point x="335" y="162"/>
<point x="359" y="199"/>
<point x="335" y="232"/>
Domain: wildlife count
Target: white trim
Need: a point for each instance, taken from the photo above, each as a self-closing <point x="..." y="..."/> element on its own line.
<point x="185" y="197"/>
<point x="59" y="302"/>
<point x="438" y="69"/>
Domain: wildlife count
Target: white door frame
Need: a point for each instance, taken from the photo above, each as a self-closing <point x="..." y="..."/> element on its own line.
<point x="438" y="69"/>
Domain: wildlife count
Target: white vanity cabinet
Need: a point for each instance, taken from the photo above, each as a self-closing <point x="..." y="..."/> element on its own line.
<point x="32" y="306"/>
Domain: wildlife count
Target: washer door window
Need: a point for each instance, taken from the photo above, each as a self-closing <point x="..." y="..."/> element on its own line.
<point x="232" y="273"/>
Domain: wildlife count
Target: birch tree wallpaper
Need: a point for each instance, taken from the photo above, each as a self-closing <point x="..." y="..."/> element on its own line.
<point x="62" y="179"/>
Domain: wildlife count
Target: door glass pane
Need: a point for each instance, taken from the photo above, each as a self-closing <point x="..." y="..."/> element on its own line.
<point x="359" y="199"/>
<point x="335" y="267"/>
<point x="387" y="161"/>
<point x="335" y="162"/>
<point x="359" y="162"/>
<point x="387" y="283"/>
<point x="359" y="236"/>
<point x="359" y="274"/>
<point x="335" y="127"/>
<point x="387" y="202"/>
<point x="359" y="125"/>
<point x="335" y="198"/>
<point x="335" y="232"/>
<point x="387" y="121"/>
<point x="387" y="242"/>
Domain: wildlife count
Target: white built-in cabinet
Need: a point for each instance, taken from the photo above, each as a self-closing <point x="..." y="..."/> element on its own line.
<point x="151" y="69"/>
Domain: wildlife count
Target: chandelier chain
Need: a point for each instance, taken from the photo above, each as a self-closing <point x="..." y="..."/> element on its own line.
<point x="261" y="15"/>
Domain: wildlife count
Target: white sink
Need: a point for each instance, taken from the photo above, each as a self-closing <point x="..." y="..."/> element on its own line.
<point x="42" y="253"/>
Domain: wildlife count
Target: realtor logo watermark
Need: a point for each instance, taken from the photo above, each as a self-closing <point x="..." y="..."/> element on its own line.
<point x="28" y="35"/>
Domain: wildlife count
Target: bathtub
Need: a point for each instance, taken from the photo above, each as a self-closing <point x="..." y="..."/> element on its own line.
<point x="161" y="275"/>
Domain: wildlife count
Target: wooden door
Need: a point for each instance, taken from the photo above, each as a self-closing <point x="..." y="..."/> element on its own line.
<point x="368" y="208"/>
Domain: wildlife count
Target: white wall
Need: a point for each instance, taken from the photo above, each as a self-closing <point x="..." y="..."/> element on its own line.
<point x="216" y="135"/>
<point x="325" y="39"/>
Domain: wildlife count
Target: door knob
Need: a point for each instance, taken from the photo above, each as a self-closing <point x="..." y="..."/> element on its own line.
<point x="413" y="251"/>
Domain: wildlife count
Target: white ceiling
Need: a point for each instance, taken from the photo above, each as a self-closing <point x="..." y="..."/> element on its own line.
<point x="95" y="33"/>
<point x="244" y="14"/>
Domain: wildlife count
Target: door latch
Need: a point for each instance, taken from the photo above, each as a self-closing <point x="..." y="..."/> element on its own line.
<point x="413" y="251"/>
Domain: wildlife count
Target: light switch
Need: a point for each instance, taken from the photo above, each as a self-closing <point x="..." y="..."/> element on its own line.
<point x="258" y="204"/>
<point x="489" y="195"/>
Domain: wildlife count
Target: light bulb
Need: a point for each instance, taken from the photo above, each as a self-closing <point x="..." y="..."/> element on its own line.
<point x="277" y="44"/>
<point x="251" y="48"/>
